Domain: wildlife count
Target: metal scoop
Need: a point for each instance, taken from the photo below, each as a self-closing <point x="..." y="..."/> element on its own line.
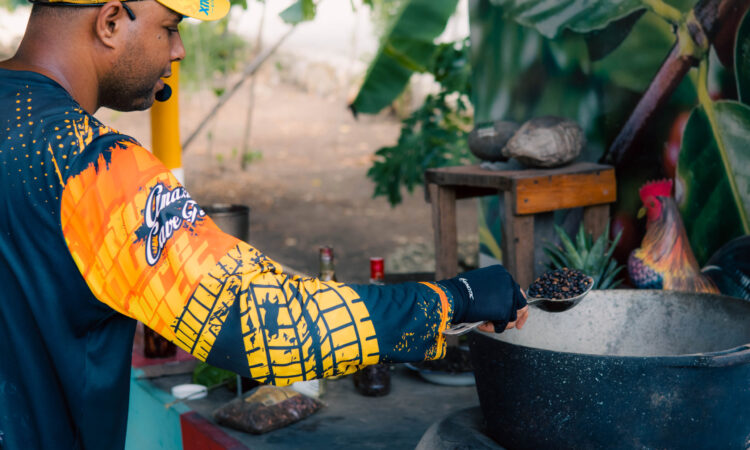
<point x="545" y="304"/>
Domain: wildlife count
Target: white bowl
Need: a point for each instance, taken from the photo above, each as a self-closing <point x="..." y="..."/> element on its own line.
<point x="189" y="391"/>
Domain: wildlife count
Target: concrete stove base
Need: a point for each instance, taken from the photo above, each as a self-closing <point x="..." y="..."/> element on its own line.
<point x="460" y="430"/>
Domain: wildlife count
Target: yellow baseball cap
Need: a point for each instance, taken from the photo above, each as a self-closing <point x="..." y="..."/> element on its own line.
<point x="198" y="9"/>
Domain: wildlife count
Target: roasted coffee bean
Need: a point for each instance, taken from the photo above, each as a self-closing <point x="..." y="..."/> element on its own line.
<point x="560" y="284"/>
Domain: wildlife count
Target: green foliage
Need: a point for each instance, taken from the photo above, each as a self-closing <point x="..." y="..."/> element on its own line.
<point x="592" y="258"/>
<point x="406" y="47"/>
<point x="649" y="32"/>
<point x="251" y="157"/>
<point x="742" y="59"/>
<point x="713" y="170"/>
<point x="552" y="17"/>
<point x="12" y="4"/>
<point x="299" y="11"/>
<point x="706" y="182"/>
<point x="212" y="51"/>
<point x="382" y="13"/>
<point x="211" y="376"/>
<point x="435" y="134"/>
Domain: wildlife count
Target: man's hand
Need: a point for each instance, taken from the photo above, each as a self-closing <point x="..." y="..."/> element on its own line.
<point x="522" y="313"/>
<point x="488" y="294"/>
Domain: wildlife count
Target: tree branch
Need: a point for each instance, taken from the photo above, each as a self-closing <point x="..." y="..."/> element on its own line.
<point x="709" y="15"/>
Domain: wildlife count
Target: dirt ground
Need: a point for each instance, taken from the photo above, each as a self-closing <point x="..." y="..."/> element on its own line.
<point x="307" y="186"/>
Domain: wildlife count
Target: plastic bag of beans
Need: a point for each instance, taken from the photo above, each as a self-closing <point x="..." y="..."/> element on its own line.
<point x="265" y="409"/>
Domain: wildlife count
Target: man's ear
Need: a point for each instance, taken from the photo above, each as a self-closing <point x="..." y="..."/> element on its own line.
<point x="109" y="24"/>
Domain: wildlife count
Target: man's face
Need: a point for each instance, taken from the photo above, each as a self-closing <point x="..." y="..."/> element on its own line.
<point x="152" y="42"/>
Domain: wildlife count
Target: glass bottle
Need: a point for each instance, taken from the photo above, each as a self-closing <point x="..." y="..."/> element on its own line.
<point x="316" y="388"/>
<point x="156" y="346"/>
<point x="327" y="265"/>
<point x="374" y="380"/>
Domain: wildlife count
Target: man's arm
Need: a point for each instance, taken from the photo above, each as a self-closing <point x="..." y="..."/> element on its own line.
<point x="147" y="250"/>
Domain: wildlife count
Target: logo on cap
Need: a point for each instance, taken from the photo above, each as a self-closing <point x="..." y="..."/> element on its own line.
<point x="205" y="7"/>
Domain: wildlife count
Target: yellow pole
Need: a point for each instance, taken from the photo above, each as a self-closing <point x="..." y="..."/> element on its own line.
<point x="165" y="127"/>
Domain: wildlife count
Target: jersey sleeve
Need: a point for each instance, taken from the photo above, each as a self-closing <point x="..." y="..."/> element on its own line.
<point x="147" y="250"/>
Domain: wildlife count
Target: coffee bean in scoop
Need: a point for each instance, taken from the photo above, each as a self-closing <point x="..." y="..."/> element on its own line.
<point x="560" y="284"/>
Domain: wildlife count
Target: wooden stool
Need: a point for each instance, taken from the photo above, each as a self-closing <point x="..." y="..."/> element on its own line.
<point x="526" y="192"/>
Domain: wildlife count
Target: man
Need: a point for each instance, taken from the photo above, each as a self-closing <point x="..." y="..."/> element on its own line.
<point x="95" y="232"/>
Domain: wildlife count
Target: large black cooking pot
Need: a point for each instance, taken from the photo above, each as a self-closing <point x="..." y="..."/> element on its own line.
<point x="623" y="369"/>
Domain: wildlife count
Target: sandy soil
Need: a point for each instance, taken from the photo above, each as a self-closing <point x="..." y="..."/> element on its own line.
<point x="308" y="185"/>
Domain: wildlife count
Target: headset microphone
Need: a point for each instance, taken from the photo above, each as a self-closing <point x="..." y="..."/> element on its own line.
<point x="164" y="94"/>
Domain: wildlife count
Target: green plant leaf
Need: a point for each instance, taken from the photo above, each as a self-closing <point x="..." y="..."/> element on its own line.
<point x="570" y="250"/>
<point x="551" y="17"/>
<point x="556" y="256"/>
<point x="583" y="249"/>
<point x="713" y="212"/>
<point x="644" y="49"/>
<point x="209" y="375"/>
<point x="299" y="11"/>
<point x="612" y="245"/>
<point x="406" y="47"/>
<point x="596" y="253"/>
<point x="606" y="281"/>
<point x="742" y="59"/>
<point x="501" y="52"/>
<point x="601" y="43"/>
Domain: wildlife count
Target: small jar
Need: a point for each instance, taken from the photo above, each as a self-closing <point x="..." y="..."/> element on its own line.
<point x="373" y="381"/>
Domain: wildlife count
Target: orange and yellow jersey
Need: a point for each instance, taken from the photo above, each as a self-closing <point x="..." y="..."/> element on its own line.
<point x="96" y="232"/>
<point x="147" y="250"/>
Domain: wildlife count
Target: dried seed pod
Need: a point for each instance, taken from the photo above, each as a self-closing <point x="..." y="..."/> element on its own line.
<point x="486" y="141"/>
<point x="546" y="142"/>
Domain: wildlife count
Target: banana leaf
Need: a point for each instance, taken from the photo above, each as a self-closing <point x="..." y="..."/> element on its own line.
<point x="407" y="47"/>
<point x="501" y="53"/>
<point x="715" y="202"/>
<point x="644" y="49"/>
<point x="299" y="11"/>
<point x="601" y="43"/>
<point x="742" y="59"/>
<point x="551" y="17"/>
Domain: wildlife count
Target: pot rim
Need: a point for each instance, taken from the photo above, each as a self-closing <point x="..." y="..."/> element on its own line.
<point x="721" y="358"/>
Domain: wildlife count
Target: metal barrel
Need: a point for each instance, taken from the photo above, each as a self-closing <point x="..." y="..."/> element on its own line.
<point x="232" y="219"/>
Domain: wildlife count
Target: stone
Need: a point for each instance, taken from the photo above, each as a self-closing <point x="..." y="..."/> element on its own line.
<point x="486" y="141"/>
<point x="546" y="142"/>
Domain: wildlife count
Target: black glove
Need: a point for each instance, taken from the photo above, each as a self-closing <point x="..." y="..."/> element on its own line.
<point x="487" y="294"/>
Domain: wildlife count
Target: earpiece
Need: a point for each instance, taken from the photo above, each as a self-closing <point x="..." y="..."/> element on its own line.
<point x="164" y="94"/>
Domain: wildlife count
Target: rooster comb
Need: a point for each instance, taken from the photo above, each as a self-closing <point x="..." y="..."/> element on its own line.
<point x="661" y="188"/>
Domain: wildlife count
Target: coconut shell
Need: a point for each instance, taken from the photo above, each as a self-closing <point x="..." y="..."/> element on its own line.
<point x="546" y="142"/>
<point x="486" y="141"/>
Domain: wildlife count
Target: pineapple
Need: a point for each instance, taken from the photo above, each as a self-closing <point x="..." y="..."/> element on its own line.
<point x="591" y="258"/>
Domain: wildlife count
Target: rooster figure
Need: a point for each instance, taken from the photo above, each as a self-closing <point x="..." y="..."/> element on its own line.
<point x="665" y="260"/>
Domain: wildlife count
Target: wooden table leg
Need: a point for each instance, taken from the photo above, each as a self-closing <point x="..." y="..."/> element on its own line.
<point x="595" y="219"/>
<point x="443" y="200"/>
<point x="518" y="244"/>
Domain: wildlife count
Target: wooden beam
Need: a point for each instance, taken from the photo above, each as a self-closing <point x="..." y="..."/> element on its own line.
<point x="443" y="202"/>
<point x="550" y="192"/>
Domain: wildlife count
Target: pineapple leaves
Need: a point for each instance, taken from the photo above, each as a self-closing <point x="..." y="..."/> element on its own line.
<point x="593" y="258"/>
<point x="571" y="252"/>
